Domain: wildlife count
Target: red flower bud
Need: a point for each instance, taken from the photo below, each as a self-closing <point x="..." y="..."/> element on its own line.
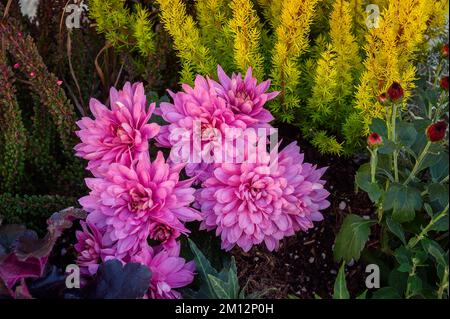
<point x="436" y="131"/>
<point x="382" y="98"/>
<point x="395" y="92"/>
<point x="445" y="50"/>
<point x="444" y="83"/>
<point x="374" y="140"/>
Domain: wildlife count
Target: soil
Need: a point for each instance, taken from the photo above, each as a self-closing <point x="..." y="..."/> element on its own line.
<point x="303" y="267"/>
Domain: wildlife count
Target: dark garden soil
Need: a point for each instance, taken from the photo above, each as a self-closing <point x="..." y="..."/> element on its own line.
<point x="304" y="265"/>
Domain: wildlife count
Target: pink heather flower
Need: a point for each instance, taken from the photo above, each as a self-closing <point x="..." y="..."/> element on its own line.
<point x="169" y="271"/>
<point x="16" y="66"/>
<point x="32" y="74"/>
<point x="90" y="249"/>
<point x="246" y="97"/>
<point x="117" y="134"/>
<point x="260" y="200"/>
<point x="128" y="200"/>
<point x="59" y="82"/>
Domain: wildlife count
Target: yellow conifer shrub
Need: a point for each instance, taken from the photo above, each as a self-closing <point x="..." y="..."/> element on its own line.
<point x="245" y="28"/>
<point x="390" y="50"/>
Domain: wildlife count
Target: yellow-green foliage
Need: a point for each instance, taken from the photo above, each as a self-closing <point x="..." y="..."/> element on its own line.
<point x="212" y="16"/>
<point x="245" y="28"/>
<point x="124" y="29"/>
<point x="337" y="69"/>
<point x="272" y="11"/>
<point x="312" y="51"/>
<point x="194" y="55"/>
<point x="390" y="50"/>
<point x="291" y="41"/>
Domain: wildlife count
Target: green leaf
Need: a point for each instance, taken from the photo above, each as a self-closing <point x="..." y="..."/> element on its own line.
<point x="439" y="193"/>
<point x="379" y="126"/>
<point x="386" y="293"/>
<point x="406" y="134"/>
<point x="415" y="284"/>
<point x="204" y="267"/>
<point x="219" y="287"/>
<point x="403" y="201"/>
<point x="387" y="148"/>
<point x="363" y="295"/>
<point x="440" y="169"/>
<point x="233" y="282"/>
<point x="403" y="257"/>
<point x="352" y="238"/>
<point x="340" y="285"/>
<point x="433" y="248"/>
<point x="396" y="229"/>
<point x="363" y="180"/>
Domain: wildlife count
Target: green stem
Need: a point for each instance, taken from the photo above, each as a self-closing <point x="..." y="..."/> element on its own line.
<point x="414" y="241"/>
<point x="393" y="136"/>
<point x="411" y="274"/>
<point x="418" y="163"/>
<point x="373" y="164"/>
<point x="444" y="284"/>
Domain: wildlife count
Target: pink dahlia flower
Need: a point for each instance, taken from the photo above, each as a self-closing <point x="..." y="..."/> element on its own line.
<point x="262" y="200"/>
<point x="91" y="250"/>
<point x="202" y="117"/>
<point x="169" y="270"/>
<point x="127" y="201"/>
<point x="246" y="97"/>
<point x="117" y="134"/>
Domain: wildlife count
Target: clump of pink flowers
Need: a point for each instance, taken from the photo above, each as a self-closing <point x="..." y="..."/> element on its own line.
<point x="207" y="112"/>
<point x="249" y="197"/>
<point x="132" y="199"/>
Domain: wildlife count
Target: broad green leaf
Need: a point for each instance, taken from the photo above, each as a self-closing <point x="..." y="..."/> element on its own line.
<point x="219" y="287"/>
<point x="352" y="238"/>
<point x="440" y="169"/>
<point x="434" y="250"/>
<point x="403" y="257"/>
<point x="379" y="126"/>
<point x="387" y="148"/>
<point x="403" y="201"/>
<point x="340" y="285"/>
<point x="439" y="193"/>
<point x="415" y="284"/>
<point x="406" y="134"/>
<point x="363" y="180"/>
<point x="396" y="229"/>
<point x="386" y="293"/>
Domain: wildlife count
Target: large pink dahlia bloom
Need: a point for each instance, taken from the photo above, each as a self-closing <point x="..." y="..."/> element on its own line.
<point x="202" y="117"/>
<point x="128" y="201"/>
<point x="246" y="97"/>
<point x="169" y="270"/>
<point x="262" y="200"/>
<point x="117" y="134"/>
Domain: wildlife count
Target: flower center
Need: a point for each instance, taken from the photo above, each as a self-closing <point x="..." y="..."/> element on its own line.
<point x="141" y="199"/>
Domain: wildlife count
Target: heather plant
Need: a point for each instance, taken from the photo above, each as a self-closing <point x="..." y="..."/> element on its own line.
<point x="407" y="180"/>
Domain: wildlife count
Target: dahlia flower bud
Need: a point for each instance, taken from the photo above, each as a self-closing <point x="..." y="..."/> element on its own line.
<point x="445" y="50"/>
<point x="395" y="92"/>
<point x="382" y="98"/>
<point x="444" y="83"/>
<point x="374" y="140"/>
<point x="436" y="131"/>
<point x="164" y="234"/>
